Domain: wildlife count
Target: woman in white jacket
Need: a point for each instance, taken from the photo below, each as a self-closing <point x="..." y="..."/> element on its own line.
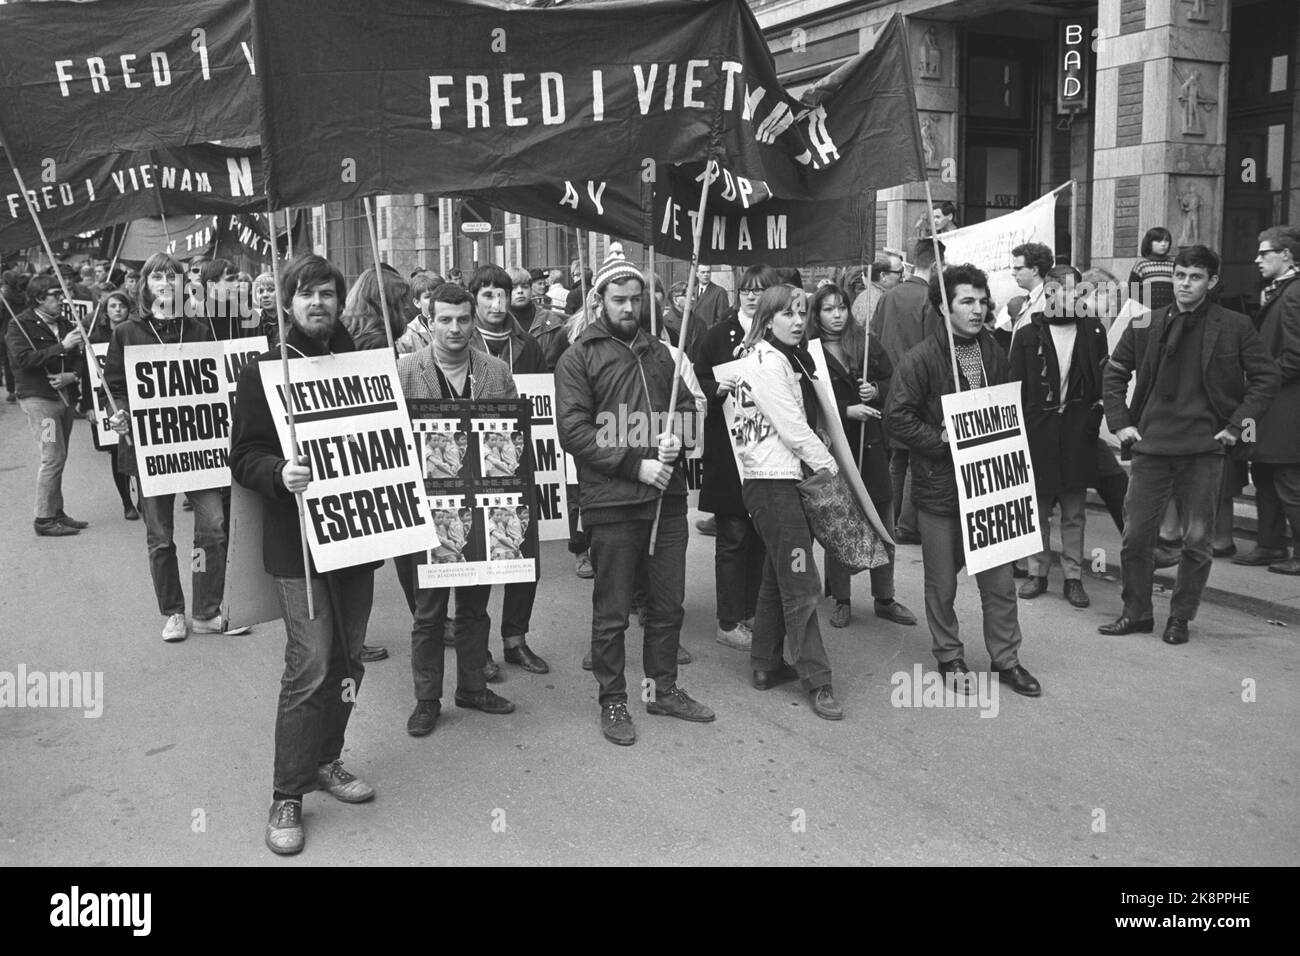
<point x="776" y="436"/>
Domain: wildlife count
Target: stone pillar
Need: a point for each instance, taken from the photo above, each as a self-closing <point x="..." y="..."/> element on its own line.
<point x="1161" y="129"/>
<point x="933" y="48"/>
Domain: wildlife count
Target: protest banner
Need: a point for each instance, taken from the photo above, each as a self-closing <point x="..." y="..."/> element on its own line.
<point x="84" y="80"/>
<point x="548" y="465"/>
<point x="102" y="432"/>
<point x="478" y="476"/>
<point x="105" y="190"/>
<point x="365" y="501"/>
<point x="988" y="244"/>
<point x="180" y="416"/>
<point x="995" y="476"/>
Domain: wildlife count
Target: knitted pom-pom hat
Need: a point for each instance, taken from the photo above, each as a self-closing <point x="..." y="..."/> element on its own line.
<point x="616" y="268"/>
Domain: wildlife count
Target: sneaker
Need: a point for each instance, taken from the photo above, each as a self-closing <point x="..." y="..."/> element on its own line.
<point x="175" y="629"/>
<point x="424" y="718"/>
<point x="841" y="615"/>
<point x="582" y="566"/>
<point x="616" y="724"/>
<point x="371" y="653"/>
<point x="213" y="625"/>
<point x="677" y="703"/>
<point x="52" y="528"/>
<point x="739" y="637"/>
<point x="825" y="705"/>
<point x="68" y="521"/>
<point x="342" y="785"/>
<point x="284" y="832"/>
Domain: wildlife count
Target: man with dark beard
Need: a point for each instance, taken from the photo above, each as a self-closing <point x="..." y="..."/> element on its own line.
<point x="615" y="371"/>
<point x="322" y="654"/>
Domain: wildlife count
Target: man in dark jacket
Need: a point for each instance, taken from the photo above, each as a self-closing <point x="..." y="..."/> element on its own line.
<point x="1057" y="357"/>
<point x="711" y="304"/>
<point x="902" y="319"/>
<point x="914" y="417"/>
<point x="1275" y="464"/>
<point x="43" y="346"/>
<point x="612" y="390"/>
<point x="1203" y="376"/>
<point x="323" y="670"/>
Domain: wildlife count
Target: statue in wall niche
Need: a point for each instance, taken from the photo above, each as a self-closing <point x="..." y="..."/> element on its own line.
<point x="931" y="57"/>
<point x="1190" y="203"/>
<point x="930" y="139"/>
<point x="1194" y="102"/>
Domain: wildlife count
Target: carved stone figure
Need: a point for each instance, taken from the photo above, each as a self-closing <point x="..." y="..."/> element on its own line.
<point x="1190" y="203"/>
<point x="931" y="56"/>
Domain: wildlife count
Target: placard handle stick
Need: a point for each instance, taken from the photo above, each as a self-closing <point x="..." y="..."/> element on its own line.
<point x="288" y="234"/>
<point x="943" y="289"/>
<point x="686" y="322"/>
<point x="379" y="274"/>
<point x="288" y="408"/>
<point x="49" y="251"/>
<point x="866" y="350"/>
<point x="654" y="283"/>
<point x="99" y="306"/>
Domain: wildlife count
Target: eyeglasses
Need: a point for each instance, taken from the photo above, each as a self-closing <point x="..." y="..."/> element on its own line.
<point x="753" y="289"/>
<point x="1264" y="252"/>
<point x="169" y="275"/>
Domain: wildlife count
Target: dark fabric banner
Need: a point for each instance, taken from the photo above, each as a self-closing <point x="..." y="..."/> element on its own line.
<point x="405" y="96"/>
<point x="84" y="80"/>
<point x="101" y="192"/>
<point x="811" y="210"/>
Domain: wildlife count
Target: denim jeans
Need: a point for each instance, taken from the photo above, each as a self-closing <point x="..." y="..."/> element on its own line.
<point x="209" y="576"/>
<point x="790" y="589"/>
<point x="429" y="628"/>
<point x="51" y="424"/>
<point x="1277" y="498"/>
<point x="942" y="558"/>
<point x="1192" y="482"/>
<point x="737" y="567"/>
<point x="315" y="704"/>
<point x="616" y="549"/>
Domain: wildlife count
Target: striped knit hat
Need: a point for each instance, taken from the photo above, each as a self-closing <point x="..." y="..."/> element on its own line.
<point x="616" y="268"/>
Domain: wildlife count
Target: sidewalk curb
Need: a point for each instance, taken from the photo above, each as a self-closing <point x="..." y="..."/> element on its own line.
<point x="1257" y="607"/>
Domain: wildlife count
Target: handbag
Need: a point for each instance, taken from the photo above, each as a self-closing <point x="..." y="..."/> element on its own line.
<point x="837" y="522"/>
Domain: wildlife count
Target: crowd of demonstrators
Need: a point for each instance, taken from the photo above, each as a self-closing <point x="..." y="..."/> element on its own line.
<point x="113" y="310"/>
<point x="866" y="286"/>
<point x="860" y="399"/>
<point x="13" y="301"/>
<point x="1153" y="274"/>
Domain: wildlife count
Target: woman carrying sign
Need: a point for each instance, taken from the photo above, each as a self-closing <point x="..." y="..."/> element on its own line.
<point x="844" y="343"/>
<point x="161" y="321"/>
<point x="776" y="422"/>
<point x="115" y="309"/>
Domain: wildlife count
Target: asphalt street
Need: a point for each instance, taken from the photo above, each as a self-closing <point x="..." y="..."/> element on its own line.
<point x="1137" y="753"/>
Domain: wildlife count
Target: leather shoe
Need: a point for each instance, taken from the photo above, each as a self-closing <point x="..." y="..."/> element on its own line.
<point x="1227" y="552"/>
<point x="616" y="724"/>
<point x="1018" y="572"/>
<point x="842" y="614"/>
<point x="423" y="718"/>
<point x="907" y="539"/>
<point x="52" y="528"/>
<point x="677" y="703"/>
<point x="893" y="611"/>
<point x="957" y="676"/>
<point x="71" y="522"/>
<point x="586" y="661"/>
<point x="284" y="831"/>
<point x="525" y="658"/>
<point x="486" y="701"/>
<point x="766" y="680"/>
<point x="1126" y="625"/>
<point x="1021" y="681"/>
<point x="492" y="671"/>
<point x="372" y="652"/>
<point x="1259" y="557"/>
<point x="1076" y="595"/>
<point x="1175" y="631"/>
<point x="707" y="526"/>
<point x="1032" y="588"/>
<point x="130" y="514"/>
<point x="825" y="705"/>
<point x="1289" y="566"/>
